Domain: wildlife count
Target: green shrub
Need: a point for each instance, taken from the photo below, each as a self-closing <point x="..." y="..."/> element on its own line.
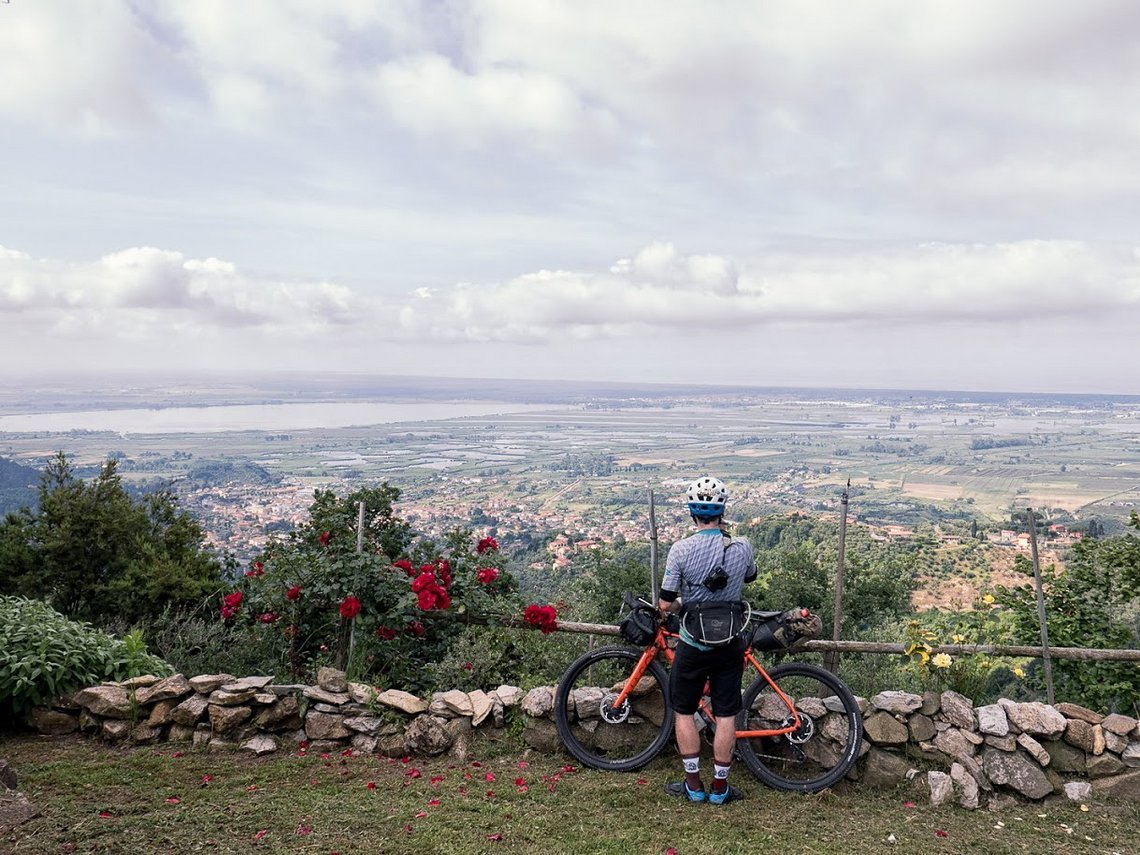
<point x="44" y="655"/>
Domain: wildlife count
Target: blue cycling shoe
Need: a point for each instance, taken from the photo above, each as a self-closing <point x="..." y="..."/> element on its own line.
<point x="729" y="794"/>
<point x="681" y="790"/>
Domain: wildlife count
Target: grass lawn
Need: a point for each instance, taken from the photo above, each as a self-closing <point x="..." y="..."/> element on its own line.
<point x="93" y="798"/>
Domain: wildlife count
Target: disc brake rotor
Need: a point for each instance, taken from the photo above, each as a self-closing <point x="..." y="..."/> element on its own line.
<point x="801" y="734"/>
<point x="611" y="714"/>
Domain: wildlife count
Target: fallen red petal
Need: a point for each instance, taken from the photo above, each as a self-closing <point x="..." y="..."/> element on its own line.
<point x="938" y="832"/>
<point x="371" y="785"/>
<point x="490" y="776"/>
<point x="642" y="781"/>
<point x="106" y="814"/>
<point x="497" y="836"/>
<point x="420" y="814"/>
<point x="173" y="800"/>
<point x="433" y="802"/>
<point x="260" y="834"/>
<point x="523" y="764"/>
<point x="909" y="804"/>
<point x="303" y="830"/>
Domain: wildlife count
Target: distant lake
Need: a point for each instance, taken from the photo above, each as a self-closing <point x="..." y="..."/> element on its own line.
<point x="259" y="417"/>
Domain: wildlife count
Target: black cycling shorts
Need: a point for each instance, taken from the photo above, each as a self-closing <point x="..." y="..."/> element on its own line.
<point x="722" y="667"/>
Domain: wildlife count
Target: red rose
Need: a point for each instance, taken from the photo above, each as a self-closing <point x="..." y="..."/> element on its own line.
<point x="385" y="633"/>
<point x="233" y="600"/>
<point x="349" y="607"/>
<point x="293" y="594"/>
<point x="443" y="599"/>
<point x="325" y="537"/>
<point x="415" y="628"/>
<point x="487" y="575"/>
<point x="426" y="599"/>
<point x="423" y="582"/>
<point x="487" y="544"/>
<point x="267" y="617"/>
<point x="542" y="617"/>
<point x="405" y="565"/>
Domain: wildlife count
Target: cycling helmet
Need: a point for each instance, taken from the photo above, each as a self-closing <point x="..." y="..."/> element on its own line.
<point x="707" y="497"/>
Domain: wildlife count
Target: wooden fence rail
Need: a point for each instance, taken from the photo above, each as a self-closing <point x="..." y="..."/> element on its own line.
<point x="874" y="647"/>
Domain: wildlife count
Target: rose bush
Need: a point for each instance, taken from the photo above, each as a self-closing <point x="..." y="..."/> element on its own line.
<point x="382" y="613"/>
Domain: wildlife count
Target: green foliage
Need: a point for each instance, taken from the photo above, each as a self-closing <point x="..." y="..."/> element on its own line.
<point x="484" y="657"/>
<point x="796" y="557"/>
<point x="94" y="553"/>
<point x="314" y="599"/>
<point x="44" y="655"/>
<point x="979" y="676"/>
<point x="1093" y="603"/>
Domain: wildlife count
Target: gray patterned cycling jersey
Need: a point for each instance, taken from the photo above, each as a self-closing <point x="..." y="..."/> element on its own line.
<point x="691" y="561"/>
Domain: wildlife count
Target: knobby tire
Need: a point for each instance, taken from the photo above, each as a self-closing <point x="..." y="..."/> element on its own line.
<point x="825" y="747"/>
<point x="636" y="733"/>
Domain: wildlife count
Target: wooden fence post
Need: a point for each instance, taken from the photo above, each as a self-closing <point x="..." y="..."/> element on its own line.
<point x="1047" y="662"/>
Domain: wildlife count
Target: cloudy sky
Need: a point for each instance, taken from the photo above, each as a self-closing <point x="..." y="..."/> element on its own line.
<point x="889" y="193"/>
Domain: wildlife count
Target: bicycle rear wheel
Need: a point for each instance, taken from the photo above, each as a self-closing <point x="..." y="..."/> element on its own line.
<point x="825" y="745"/>
<point x="602" y="735"/>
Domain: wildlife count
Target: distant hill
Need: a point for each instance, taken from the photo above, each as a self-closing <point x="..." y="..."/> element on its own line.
<point x="17" y="486"/>
<point x="218" y="472"/>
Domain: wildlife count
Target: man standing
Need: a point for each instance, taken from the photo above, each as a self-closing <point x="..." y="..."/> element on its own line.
<point x="704" y="579"/>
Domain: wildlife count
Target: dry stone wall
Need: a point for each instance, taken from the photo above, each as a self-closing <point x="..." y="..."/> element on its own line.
<point x="971" y="755"/>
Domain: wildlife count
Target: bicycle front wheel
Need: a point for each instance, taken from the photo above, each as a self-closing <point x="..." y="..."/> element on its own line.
<point x="825" y="745"/>
<point x="601" y="733"/>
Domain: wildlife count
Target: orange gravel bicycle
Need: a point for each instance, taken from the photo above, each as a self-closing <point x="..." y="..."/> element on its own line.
<point x="800" y="728"/>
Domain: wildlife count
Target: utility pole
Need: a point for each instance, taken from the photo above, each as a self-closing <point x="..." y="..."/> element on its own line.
<point x="831" y="660"/>
<point x="652" y="550"/>
<point x="1046" y="660"/>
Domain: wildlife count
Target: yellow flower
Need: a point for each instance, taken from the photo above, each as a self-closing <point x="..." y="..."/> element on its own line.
<point x="988" y="599"/>
<point x="942" y="660"/>
<point x="1018" y="673"/>
<point x="957" y="638"/>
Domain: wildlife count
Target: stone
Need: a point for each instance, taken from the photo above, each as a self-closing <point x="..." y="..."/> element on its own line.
<point x="217" y="745"/>
<point x="1016" y="771"/>
<point x="992" y="720"/>
<point x="405" y="702"/>
<point x="202" y="735"/>
<point x="160" y="713"/>
<point x="1125" y="786"/>
<point x="883" y="728"/>
<point x="364" y="743"/>
<point x="1114" y="742"/>
<point x="971" y="765"/>
<point x="953" y="744"/>
<point x="896" y="702"/>
<point x="170" y="688"/>
<point x="1065" y="758"/>
<point x="966" y="786"/>
<point x="941" y="787"/>
<point x="498" y="713"/>
<point x="1075" y="711"/>
<point x="179" y="733"/>
<point x="144" y="734"/>
<point x="1099" y="742"/>
<point x="931" y="703"/>
<point x="958" y="710"/>
<point x="115" y="729"/>
<point x="138" y="682"/>
<point x="283" y="715"/>
<point x="1002" y="801"/>
<point x="260" y="745"/>
<point x="1033" y="748"/>
<point x="225" y="718"/>
<point x="226" y="698"/>
<point x="509" y="696"/>
<point x="1035" y="718"/>
<point x="1003" y="743"/>
<point x="368" y="725"/>
<point x="541" y="734"/>
<point x="53" y="722"/>
<point x="315" y="693"/>
<point x="972" y="736"/>
<point x="325" y="726"/>
<point x="246" y="683"/>
<point x="332" y="680"/>
<point x="460" y="731"/>
<point x="8" y="779"/>
<point x="190" y="710"/>
<point x="361" y="694"/>
<point x="1078" y="791"/>
<point x="884" y="769"/>
<point x="427" y="734"/>
<point x="453" y="703"/>
<point x="1130" y="756"/>
<point x="1121" y="725"/>
<point x="106" y="700"/>
<point x="15" y="810"/>
<point x="206" y="683"/>
<point x="1079" y="732"/>
<point x="1103" y="765"/>
<point x="481" y="706"/>
<point x="538" y="702"/>
<point x="921" y="727"/>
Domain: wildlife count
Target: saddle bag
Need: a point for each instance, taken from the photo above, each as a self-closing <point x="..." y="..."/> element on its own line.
<point x="782" y="630"/>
